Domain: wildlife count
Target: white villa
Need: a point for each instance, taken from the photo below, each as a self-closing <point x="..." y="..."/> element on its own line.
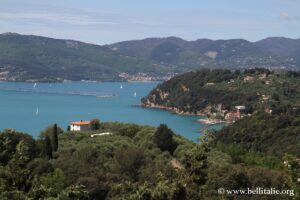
<point x="80" y="126"/>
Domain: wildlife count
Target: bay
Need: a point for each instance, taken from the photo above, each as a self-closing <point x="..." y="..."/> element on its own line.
<point x="29" y="107"/>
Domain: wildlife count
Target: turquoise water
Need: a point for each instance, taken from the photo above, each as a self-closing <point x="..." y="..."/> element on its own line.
<point x="30" y="108"/>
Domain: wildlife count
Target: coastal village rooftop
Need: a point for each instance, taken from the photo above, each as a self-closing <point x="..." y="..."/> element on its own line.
<point x="81" y="123"/>
<point x="80" y="126"/>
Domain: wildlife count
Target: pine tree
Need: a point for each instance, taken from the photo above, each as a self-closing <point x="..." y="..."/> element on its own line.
<point x="196" y="165"/>
<point x="163" y="138"/>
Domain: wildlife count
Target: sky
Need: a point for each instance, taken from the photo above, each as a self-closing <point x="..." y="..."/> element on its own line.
<point x="109" y="21"/>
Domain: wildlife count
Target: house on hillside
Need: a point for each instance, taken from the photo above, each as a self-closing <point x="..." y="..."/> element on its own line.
<point x="249" y="78"/>
<point x="233" y="116"/>
<point x="80" y="126"/>
<point x="238" y="114"/>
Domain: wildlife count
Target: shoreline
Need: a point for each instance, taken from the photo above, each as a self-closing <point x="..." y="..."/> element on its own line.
<point x="172" y="110"/>
<point x="211" y="121"/>
<point x="204" y="121"/>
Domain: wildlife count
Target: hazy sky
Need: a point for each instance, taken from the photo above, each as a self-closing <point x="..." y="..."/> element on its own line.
<point x="108" y="21"/>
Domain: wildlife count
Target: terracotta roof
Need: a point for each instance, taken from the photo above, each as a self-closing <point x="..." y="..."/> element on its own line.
<point x="81" y="123"/>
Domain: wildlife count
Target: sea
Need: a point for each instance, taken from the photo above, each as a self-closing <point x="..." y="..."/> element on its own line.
<point x="31" y="107"/>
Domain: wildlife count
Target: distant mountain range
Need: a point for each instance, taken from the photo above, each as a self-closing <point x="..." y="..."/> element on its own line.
<point x="275" y="52"/>
<point x="35" y="58"/>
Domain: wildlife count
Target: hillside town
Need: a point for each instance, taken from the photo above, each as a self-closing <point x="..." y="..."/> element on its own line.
<point x="144" y="77"/>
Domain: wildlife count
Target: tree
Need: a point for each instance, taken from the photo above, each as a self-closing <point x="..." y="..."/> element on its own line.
<point x="74" y="192"/>
<point x="16" y="145"/>
<point x="55" y="180"/>
<point x="163" y="138"/>
<point x="49" y="130"/>
<point x="95" y="124"/>
<point x="52" y="132"/>
<point x="196" y="165"/>
<point x="207" y="137"/>
<point x="54" y="138"/>
<point x="143" y="192"/>
<point x="47" y="147"/>
<point x="129" y="131"/>
<point x="127" y="161"/>
<point x="275" y="97"/>
<point x="40" y="192"/>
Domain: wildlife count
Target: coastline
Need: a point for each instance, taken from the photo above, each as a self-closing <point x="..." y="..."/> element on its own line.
<point x="211" y="121"/>
<point x="172" y="110"/>
<point x="204" y="121"/>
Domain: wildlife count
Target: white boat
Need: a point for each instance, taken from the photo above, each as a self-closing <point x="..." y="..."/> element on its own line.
<point x="121" y="87"/>
<point x="134" y="94"/>
<point x="35" y="84"/>
<point x="37" y="111"/>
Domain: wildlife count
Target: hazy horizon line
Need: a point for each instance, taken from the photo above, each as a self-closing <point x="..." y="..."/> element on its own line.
<point x="150" y="37"/>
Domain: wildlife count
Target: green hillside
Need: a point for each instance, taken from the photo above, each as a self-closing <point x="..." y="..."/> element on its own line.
<point x="35" y="58"/>
<point x="205" y="53"/>
<point x="201" y="92"/>
<point x="45" y="59"/>
<point x="134" y="162"/>
<point x="275" y="134"/>
<point x="268" y="135"/>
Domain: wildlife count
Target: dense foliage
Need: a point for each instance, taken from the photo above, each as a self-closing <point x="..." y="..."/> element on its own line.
<point x="195" y="92"/>
<point x="268" y="137"/>
<point x="129" y="164"/>
<point x="267" y="140"/>
<point x="274" y="134"/>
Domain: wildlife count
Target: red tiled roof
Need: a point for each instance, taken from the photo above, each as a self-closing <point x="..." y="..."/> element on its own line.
<point x="81" y="123"/>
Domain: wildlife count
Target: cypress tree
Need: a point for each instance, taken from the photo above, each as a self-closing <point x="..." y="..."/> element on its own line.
<point x="47" y="147"/>
<point x="54" y="139"/>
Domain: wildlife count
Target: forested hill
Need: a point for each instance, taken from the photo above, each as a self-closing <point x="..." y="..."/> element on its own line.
<point x="25" y="58"/>
<point x="202" y="92"/>
<point x="35" y="58"/>
<point x="276" y="134"/>
<point x="272" y="52"/>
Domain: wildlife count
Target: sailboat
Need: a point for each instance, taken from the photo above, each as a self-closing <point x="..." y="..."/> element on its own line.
<point x="134" y="94"/>
<point x="35" y="84"/>
<point x="37" y="111"/>
<point x="121" y="87"/>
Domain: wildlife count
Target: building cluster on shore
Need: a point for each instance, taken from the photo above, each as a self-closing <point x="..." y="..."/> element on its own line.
<point x="223" y="116"/>
<point x="144" y="77"/>
<point x="218" y="116"/>
<point x="236" y="115"/>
